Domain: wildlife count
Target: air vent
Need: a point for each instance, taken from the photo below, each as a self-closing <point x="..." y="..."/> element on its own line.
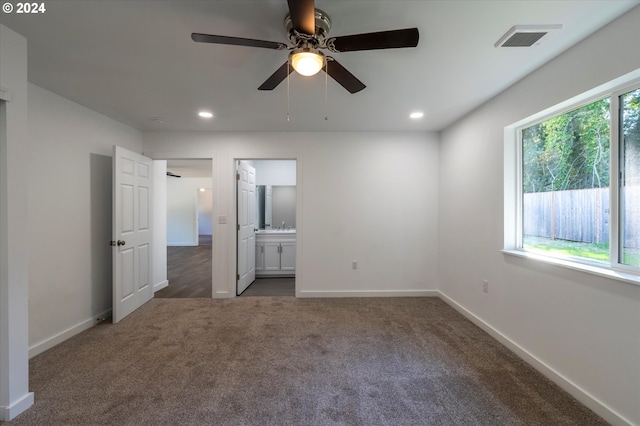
<point x="525" y="35"/>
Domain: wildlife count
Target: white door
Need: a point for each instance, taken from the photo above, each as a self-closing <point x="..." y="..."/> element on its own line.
<point x="132" y="180"/>
<point x="246" y="193"/>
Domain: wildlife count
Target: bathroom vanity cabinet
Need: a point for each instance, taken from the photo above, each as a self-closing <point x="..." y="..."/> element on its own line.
<point x="275" y="253"/>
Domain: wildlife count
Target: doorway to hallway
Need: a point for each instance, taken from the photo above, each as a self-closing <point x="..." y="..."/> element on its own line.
<point x="189" y="229"/>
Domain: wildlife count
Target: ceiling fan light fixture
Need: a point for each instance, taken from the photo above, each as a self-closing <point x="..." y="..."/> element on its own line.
<point x="307" y="61"/>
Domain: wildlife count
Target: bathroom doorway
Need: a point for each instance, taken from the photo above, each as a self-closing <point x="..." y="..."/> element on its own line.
<point x="272" y="249"/>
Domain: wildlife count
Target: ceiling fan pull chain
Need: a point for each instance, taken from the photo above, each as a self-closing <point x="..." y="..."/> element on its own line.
<point x="288" y="76"/>
<point x="326" y="84"/>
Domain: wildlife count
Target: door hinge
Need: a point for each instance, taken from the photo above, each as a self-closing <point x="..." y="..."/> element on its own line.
<point x="237" y="176"/>
<point x="237" y="277"/>
<point x="238" y="227"/>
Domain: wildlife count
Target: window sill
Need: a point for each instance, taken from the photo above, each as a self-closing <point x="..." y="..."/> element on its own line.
<point x="576" y="266"/>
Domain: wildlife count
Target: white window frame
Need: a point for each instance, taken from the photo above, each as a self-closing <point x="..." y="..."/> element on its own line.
<point x="513" y="195"/>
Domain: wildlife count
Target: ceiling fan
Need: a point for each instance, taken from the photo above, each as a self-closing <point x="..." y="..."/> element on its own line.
<point x="308" y="30"/>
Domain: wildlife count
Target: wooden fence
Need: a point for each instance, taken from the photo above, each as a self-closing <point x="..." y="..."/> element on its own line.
<point x="580" y="215"/>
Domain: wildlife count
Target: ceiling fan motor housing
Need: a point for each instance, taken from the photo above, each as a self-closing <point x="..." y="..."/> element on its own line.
<point x="323" y="25"/>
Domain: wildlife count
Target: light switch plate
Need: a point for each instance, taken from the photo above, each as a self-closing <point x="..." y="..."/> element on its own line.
<point x="222" y="220"/>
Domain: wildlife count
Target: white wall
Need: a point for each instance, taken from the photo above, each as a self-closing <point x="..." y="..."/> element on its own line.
<point x="70" y="198"/>
<point x="580" y="329"/>
<point x="205" y="211"/>
<point x="14" y="245"/>
<point x="182" y="210"/>
<point x="275" y="172"/>
<point x="370" y="197"/>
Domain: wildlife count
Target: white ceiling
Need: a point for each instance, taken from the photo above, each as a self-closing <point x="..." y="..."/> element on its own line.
<point x="134" y="60"/>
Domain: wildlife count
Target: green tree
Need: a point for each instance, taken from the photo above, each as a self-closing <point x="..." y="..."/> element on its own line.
<point x="631" y="134"/>
<point x="569" y="151"/>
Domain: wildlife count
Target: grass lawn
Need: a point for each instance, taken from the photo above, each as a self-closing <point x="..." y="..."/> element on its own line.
<point x="632" y="257"/>
<point x="598" y="252"/>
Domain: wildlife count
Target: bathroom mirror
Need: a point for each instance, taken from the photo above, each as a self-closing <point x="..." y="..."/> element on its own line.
<point x="275" y="205"/>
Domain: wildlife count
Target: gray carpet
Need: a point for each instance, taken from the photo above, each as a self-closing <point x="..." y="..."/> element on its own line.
<point x="288" y="361"/>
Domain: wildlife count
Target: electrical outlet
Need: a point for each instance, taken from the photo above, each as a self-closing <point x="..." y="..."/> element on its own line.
<point x="354" y="264"/>
<point x="485" y="286"/>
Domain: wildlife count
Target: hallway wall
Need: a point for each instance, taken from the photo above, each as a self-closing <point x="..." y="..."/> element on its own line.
<point x="70" y="201"/>
<point x="182" y="210"/>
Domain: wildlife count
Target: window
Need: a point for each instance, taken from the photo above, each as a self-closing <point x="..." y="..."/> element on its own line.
<point x="577" y="180"/>
<point x="565" y="184"/>
<point x="630" y="178"/>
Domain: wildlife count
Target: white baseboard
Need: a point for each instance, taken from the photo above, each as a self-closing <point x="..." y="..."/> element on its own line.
<point x="10" y="412"/>
<point x="160" y="285"/>
<point x="573" y="389"/>
<point x="50" y="342"/>
<point x="370" y="293"/>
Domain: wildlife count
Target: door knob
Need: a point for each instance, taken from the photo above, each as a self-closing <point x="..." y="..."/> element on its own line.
<point x="121" y="243"/>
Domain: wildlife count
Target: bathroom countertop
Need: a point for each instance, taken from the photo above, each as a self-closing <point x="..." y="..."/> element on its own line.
<point x="276" y="231"/>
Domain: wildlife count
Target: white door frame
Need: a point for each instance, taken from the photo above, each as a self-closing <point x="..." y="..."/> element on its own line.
<point x="14" y="269"/>
<point x="14" y="276"/>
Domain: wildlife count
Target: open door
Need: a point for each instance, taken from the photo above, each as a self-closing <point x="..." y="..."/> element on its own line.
<point x="246" y="193"/>
<point x="132" y="184"/>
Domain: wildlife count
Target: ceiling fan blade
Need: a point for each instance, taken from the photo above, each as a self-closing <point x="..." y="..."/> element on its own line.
<point x="393" y="39"/>
<point x="277" y="77"/>
<point x="343" y="76"/>
<point x="303" y="16"/>
<point x="237" y="41"/>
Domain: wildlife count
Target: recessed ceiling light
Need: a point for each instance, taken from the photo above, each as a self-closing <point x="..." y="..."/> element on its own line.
<point x="416" y="115"/>
<point x="205" y="114"/>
